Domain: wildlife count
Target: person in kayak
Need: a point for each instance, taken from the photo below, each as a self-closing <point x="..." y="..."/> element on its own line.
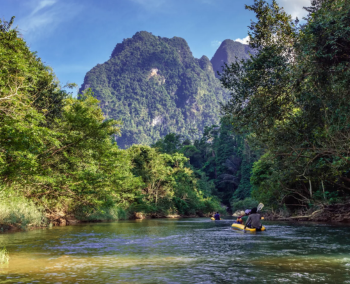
<point x="217" y="216"/>
<point x="245" y="216"/>
<point x="239" y="220"/>
<point x="253" y="220"/>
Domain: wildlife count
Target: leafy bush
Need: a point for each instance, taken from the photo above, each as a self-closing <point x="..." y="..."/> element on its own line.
<point x="102" y="214"/>
<point x="21" y="212"/>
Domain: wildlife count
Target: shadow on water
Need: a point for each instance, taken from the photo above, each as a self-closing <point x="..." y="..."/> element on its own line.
<point x="178" y="251"/>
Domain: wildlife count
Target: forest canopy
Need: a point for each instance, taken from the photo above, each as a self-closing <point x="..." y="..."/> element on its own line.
<point x="57" y="153"/>
<point x="292" y="97"/>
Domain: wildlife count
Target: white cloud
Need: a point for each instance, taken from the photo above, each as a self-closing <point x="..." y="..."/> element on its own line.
<point x="45" y="16"/>
<point x="215" y="43"/>
<point x="295" y="7"/>
<point x="243" y="40"/>
<point x="42" y="4"/>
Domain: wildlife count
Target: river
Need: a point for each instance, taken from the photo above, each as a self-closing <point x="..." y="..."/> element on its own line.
<point x="178" y="251"/>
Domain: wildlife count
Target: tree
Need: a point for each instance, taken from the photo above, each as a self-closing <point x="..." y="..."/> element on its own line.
<point x="292" y="96"/>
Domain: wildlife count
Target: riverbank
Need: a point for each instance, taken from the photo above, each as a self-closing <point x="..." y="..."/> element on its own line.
<point x="60" y="220"/>
<point x="338" y="213"/>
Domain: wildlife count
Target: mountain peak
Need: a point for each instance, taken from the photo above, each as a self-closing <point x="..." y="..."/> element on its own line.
<point x="156" y="86"/>
<point x="228" y="52"/>
<point x="146" y="40"/>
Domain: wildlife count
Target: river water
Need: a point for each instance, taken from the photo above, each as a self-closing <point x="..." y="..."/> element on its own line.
<point x="178" y="251"/>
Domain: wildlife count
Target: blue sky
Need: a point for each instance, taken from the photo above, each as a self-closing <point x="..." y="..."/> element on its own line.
<point x="72" y="36"/>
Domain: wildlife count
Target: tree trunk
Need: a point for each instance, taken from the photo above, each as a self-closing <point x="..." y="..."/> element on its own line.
<point x="324" y="194"/>
<point x="310" y="188"/>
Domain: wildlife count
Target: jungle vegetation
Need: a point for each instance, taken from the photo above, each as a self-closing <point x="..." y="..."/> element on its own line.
<point x="221" y="158"/>
<point x="58" y="157"/>
<point x="283" y="138"/>
<point x="292" y="97"/>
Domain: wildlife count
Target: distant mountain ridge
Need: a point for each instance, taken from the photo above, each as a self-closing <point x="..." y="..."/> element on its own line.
<point x="156" y="86"/>
<point x="227" y="53"/>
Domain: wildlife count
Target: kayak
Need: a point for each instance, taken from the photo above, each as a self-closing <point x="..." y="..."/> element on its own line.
<point x="213" y="219"/>
<point x="241" y="227"/>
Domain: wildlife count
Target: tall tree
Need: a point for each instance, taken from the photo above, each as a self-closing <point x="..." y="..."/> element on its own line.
<point x="293" y="97"/>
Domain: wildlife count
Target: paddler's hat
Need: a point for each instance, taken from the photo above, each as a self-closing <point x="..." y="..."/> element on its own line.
<point x="247" y="211"/>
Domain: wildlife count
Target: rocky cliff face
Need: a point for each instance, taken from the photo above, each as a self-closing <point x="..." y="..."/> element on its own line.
<point x="227" y="53"/>
<point x="156" y="86"/>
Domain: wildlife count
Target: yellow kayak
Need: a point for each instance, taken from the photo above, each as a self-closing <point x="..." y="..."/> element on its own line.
<point x="213" y="219"/>
<point x="241" y="227"/>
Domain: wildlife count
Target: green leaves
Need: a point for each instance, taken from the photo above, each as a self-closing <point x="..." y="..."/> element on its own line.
<point x="293" y="96"/>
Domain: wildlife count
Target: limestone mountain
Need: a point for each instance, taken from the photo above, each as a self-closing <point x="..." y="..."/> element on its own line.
<point x="227" y="53"/>
<point x="156" y="86"/>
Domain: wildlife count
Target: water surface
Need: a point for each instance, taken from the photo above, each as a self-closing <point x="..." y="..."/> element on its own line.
<point x="178" y="251"/>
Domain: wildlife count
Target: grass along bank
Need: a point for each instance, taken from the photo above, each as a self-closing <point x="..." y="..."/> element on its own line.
<point x="19" y="212"/>
<point x="4" y="256"/>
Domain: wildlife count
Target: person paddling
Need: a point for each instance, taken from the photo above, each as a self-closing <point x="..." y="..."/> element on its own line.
<point x="253" y="220"/>
<point x="245" y="216"/>
<point x="217" y="216"/>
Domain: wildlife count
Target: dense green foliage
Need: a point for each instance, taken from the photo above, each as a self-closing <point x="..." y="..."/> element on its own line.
<point x="169" y="186"/>
<point x="156" y="86"/>
<point x="221" y="158"/>
<point x="293" y="99"/>
<point x="57" y="151"/>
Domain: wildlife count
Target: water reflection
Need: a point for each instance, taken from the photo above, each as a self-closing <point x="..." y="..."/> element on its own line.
<point x="178" y="251"/>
